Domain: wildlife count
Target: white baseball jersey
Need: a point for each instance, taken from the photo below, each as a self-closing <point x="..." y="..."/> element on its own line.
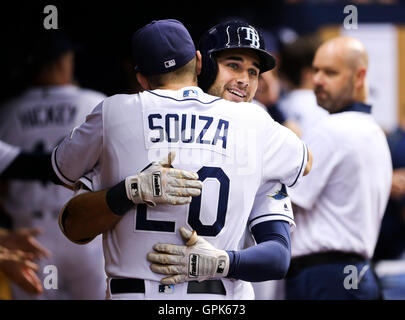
<point x="234" y="147"/>
<point x="344" y="196"/>
<point x="7" y="155"/>
<point x="38" y="120"/>
<point x="300" y="105"/>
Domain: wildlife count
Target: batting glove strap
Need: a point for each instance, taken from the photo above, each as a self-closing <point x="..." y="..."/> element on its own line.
<point x="203" y="265"/>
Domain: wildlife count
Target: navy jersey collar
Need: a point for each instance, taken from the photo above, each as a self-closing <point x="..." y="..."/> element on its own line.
<point x="357" y="106"/>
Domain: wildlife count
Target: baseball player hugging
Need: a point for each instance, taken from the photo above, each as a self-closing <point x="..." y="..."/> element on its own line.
<point x="121" y="146"/>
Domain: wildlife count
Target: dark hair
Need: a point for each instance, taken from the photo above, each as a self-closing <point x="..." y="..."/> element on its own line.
<point x="296" y="56"/>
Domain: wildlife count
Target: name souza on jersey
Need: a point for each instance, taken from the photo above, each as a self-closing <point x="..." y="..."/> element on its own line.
<point x="188" y="128"/>
<point x="197" y="133"/>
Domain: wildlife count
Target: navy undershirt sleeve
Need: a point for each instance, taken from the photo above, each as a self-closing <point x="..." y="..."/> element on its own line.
<point x="269" y="259"/>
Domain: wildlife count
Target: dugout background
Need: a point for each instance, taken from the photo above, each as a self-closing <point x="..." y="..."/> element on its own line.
<point x="103" y="31"/>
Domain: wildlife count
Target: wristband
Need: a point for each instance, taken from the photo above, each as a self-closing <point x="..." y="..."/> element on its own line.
<point x="117" y="200"/>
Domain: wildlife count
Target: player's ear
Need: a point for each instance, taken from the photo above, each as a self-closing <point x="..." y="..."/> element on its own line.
<point x="143" y="81"/>
<point x="199" y="62"/>
<point x="360" y="77"/>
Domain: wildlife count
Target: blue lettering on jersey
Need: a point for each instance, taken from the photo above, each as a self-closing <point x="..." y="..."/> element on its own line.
<point x="204" y="130"/>
<point x="183" y="129"/>
<point x="172" y="126"/>
<point x="225" y="125"/>
<point x="153" y="127"/>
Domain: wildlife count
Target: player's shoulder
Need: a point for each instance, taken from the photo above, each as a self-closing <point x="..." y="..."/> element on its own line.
<point x="250" y="111"/>
<point x="121" y="98"/>
<point x="246" y="114"/>
<point x="120" y="101"/>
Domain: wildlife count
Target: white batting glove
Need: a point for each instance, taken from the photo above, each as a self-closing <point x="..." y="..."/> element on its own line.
<point x="160" y="184"/>
<point x="198" y="260"/>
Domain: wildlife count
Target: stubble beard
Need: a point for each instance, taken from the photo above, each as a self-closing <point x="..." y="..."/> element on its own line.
<point x="342" y="99"/>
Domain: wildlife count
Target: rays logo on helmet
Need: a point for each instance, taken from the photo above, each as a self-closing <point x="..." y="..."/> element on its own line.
<point x="253" y="36"/>
<point x="228" y="35"/>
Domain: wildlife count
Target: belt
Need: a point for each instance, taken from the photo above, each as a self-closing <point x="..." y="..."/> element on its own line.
<point x="131" y="285"/>
<point x="302" y="262"/>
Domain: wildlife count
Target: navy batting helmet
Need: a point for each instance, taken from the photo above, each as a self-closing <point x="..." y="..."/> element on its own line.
<point x="229" y="35"/>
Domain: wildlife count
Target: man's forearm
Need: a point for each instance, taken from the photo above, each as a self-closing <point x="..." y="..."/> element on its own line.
<point x="87" y="215"/>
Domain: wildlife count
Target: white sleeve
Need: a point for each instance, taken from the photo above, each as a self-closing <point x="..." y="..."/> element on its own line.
<point x="285" y="155"/>
<point x="271" y="203"/>
<point x="78" y="153"/>
<point x="7" y="155"/>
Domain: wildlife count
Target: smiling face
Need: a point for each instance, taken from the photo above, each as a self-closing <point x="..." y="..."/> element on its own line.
<point x="238" y="75"/>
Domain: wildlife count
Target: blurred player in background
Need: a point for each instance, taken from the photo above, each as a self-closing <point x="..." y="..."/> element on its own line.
<point x="36" y="121"/>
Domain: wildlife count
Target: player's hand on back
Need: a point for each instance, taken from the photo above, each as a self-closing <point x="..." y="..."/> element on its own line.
<point x="198" y="260"/>
<point x="161" y="184"/>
